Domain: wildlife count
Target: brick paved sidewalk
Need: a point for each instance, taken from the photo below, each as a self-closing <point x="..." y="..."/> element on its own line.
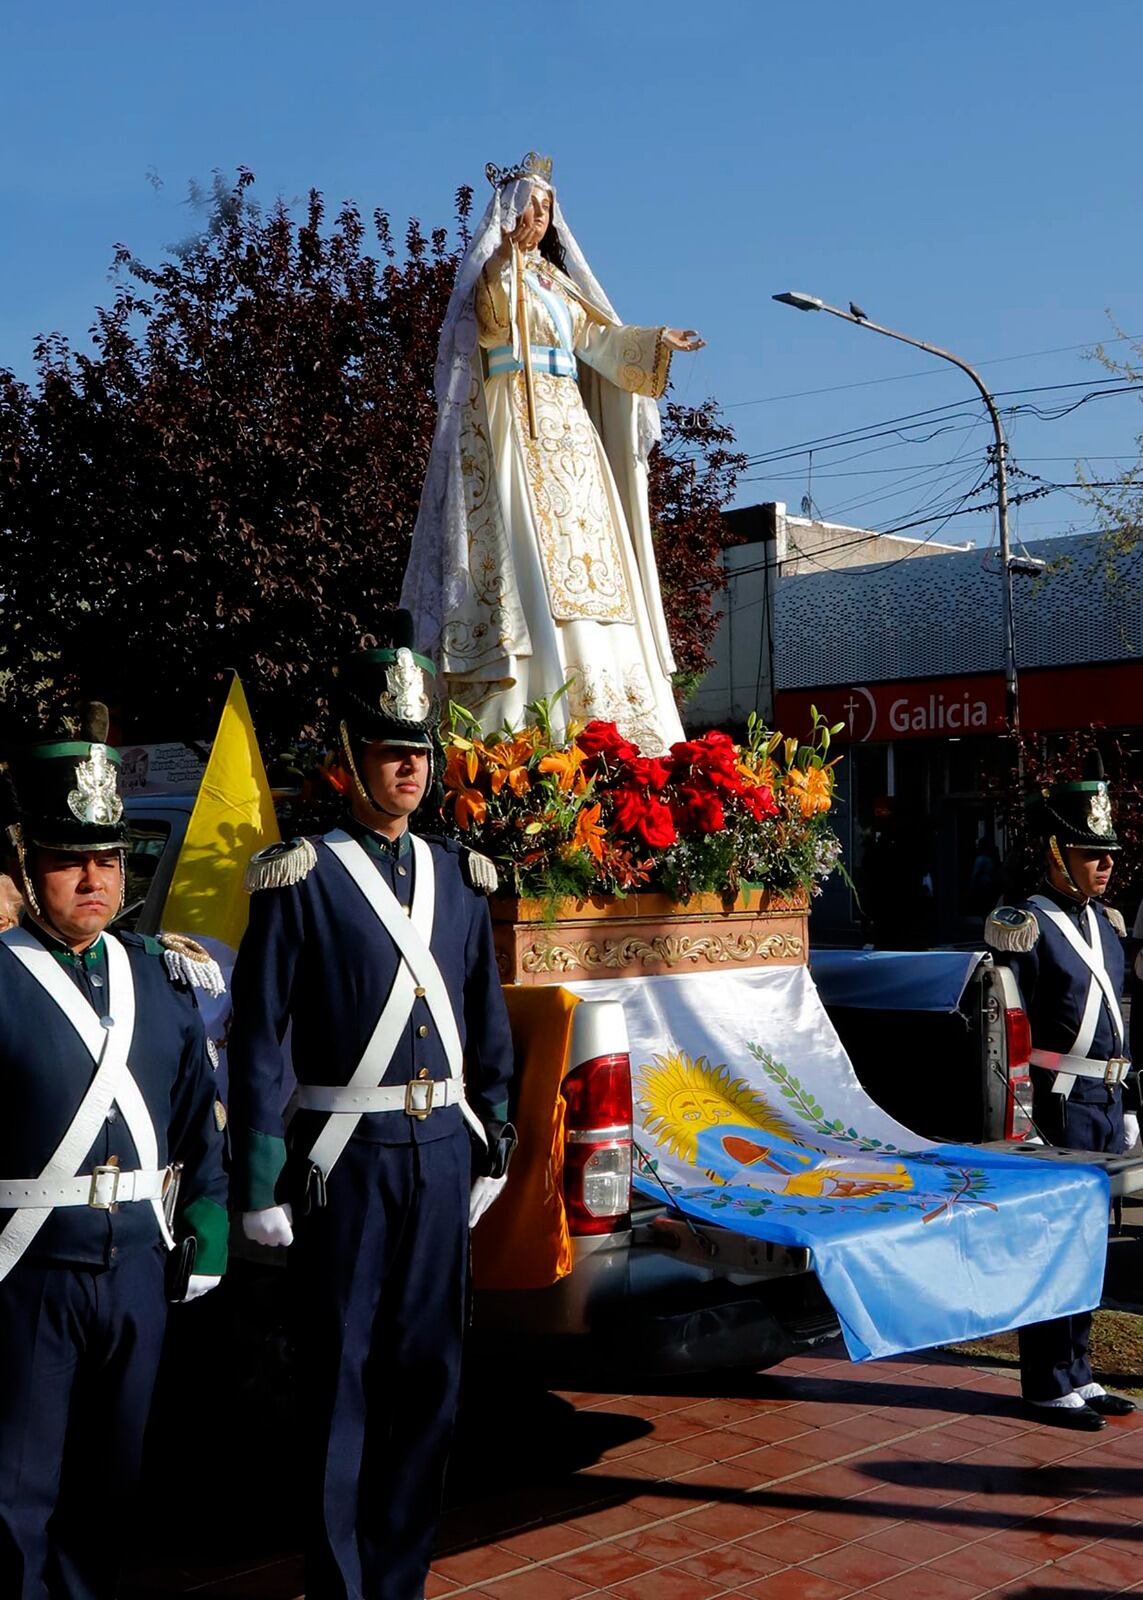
<point x="913" y="1479"/>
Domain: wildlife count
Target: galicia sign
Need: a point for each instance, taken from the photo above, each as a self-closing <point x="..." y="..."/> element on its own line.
<point x="938" y="714"/>
<point x="937" y="708"/>
<point x="955" y="708"/>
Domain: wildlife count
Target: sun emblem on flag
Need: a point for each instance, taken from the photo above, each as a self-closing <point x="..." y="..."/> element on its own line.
<point x="681" y="1097"/>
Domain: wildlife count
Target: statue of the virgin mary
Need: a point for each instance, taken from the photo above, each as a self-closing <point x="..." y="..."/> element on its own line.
<point x="532" y="564"/>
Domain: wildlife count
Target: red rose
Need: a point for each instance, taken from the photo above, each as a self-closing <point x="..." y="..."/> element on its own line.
<point x="760" y="802"/>
<point x="604" y="739"/>
<point x="686" y="753"/>
<point x="652" y="772"/>
<point x="700" y="809"/>
<point x="714" y="756"/>
<point x="727" y="778"/>
<point x="640" y="813"/>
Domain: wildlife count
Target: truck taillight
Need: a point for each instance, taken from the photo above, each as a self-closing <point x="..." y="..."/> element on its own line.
<point x="1018" y="1037"/>
<point x="1018" y="1109"/>
<point x="597" y="1154"/>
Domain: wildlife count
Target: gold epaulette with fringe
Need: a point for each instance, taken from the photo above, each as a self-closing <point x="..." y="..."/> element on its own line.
<point x="1118" y="926"/>
<point x="280" y="865"/>
<point x="1008" y="928"/>
<point x="187" y="962"/>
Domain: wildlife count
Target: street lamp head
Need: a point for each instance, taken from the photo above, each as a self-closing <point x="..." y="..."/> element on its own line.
<point x="800" y="302"/>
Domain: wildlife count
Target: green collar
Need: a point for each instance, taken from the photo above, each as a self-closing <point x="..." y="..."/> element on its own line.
<point x="380" y="847"/>
<point x="56" y="947"/>
<point x="91" y="957"/>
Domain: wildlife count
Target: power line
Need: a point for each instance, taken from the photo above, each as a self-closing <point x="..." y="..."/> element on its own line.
<point x="937" y="483"/>
<point x="869" y="534"/>
<point x="879" y="429"/>
<point x="877" y="472"/>
<point x="924" y="372"/>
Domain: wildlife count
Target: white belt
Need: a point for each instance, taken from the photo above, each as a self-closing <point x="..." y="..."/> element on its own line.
<point x="101" y="1189"/>
<point x="416" y="1098"/>
<point x="1110" y="1072"/>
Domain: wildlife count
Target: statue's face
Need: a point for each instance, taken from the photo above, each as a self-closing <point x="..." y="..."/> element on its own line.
<point x="535" y="217"/>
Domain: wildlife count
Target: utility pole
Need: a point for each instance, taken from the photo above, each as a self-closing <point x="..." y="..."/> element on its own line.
<point x="999" y="453"/>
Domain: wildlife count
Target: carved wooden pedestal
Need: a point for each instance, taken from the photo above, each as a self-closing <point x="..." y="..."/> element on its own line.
<point x="646" y="934"/>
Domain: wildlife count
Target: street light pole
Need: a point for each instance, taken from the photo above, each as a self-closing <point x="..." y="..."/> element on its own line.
<point x="809" y="302"/>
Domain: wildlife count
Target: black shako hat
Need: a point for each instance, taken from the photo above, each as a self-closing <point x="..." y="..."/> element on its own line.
<point x="383" y="694"/>
<point x="65" y="788"/>
<point x="1077" y="814"/>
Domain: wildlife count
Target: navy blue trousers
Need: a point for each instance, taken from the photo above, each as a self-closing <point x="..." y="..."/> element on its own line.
<point x="378" y="1279"/>
<point x="1054" y="1357"/>
<point x="79" y="1350"/>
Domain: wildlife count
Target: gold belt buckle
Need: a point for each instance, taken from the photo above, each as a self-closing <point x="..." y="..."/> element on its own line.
<point x="101" y="1172"/>
<point x="1116" y="1070"/>
<point x="427" y="1086"/>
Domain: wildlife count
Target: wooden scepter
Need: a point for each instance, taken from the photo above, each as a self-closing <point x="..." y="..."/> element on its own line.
<point x="525" y="341"/>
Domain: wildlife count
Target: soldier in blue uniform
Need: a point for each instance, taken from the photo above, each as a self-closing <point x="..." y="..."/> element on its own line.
<point x="371" y="945"/>
<point x="110" y="1156"/>
<point x="1065" y="949"/>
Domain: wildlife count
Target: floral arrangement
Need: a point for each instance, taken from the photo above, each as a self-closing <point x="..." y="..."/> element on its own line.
<point x="592" y="815"/>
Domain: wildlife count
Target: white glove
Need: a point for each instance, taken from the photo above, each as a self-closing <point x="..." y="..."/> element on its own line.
<point x="274" y="1226"/>
<point x="1130" y="1130"/>
<point x="484" y="1192"/>
<point x="200" y="1283"/>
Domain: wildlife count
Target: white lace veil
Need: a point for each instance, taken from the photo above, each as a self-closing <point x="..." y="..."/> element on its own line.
<point x="437" y="580"/>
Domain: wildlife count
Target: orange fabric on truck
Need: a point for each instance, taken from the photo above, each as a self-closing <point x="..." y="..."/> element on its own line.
<point x="523" y="1242"/>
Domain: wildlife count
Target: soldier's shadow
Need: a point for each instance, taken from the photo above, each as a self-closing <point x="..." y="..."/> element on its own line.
<point x="224" y="1434"/>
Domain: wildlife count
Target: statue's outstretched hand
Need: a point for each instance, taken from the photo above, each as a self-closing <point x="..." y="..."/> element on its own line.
<point x="683" y="339"/>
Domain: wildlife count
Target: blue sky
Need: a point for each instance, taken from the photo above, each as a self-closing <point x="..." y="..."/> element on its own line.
<point x="968" y="174"/>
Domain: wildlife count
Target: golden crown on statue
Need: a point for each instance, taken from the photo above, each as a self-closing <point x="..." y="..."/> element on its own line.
<point x="533" y="166"/>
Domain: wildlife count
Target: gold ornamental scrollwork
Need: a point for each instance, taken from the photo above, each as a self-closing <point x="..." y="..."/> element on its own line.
<point x="670" y="949"/>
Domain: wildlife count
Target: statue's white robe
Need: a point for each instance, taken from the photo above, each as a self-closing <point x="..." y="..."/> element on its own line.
<point x="578" y="596"/>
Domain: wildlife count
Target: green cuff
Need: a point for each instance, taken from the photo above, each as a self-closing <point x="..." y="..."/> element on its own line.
<point x="210" y="1224"/>
<point x="259" y="1160"/>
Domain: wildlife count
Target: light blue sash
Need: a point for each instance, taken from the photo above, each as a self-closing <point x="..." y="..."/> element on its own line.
<point x="548" y="358"/>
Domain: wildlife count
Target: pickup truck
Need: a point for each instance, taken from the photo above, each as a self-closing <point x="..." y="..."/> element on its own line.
<point x="957" y="1069"/>
<point x="674" y="1295"/>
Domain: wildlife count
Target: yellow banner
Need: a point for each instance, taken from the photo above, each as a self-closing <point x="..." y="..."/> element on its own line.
<point x="233" y="816"/>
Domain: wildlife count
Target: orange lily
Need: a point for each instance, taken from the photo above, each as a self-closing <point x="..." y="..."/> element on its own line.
<point x="588" y="834"/>
<point x="469" y="806"/>
<point x="566" y="764"/>
<point x="812" y="786"/>
<point x="461" y="769"/>
<point x="508" y="764"/>
<point x="760" y="772"/>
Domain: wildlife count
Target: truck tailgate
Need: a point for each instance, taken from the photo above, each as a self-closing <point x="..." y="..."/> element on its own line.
<point x="1125" y="1172"/>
